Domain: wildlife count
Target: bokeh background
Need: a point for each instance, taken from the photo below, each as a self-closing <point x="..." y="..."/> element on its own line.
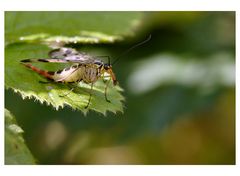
<point x="180" y="100"/>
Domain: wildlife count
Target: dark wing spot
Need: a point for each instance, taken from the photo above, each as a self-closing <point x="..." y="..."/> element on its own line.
<point x="26" y="60"/>
<point x="68" y="51"/>
<point x="52" y="52"/>
<point x="42" y="60"/>
<point x="74" y="66"/>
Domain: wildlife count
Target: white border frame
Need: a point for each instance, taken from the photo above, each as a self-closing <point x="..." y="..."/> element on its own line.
<point x="118" y="5"/>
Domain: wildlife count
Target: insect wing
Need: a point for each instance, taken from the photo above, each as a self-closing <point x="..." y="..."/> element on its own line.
<point x="45" y="60"/>
<point x="80" y="58"/>
<point x="64" y="55"/>
<point x="62" y="52"/>
<point x="67" y="55"/>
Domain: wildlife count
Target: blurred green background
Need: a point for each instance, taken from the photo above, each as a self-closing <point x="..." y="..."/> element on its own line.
<point x="180" y="99"/>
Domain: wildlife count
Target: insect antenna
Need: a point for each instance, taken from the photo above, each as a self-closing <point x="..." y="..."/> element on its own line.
<point x="130" y="49"/>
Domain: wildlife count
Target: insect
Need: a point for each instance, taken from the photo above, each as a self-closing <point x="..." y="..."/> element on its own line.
<point x="86" y="68"/>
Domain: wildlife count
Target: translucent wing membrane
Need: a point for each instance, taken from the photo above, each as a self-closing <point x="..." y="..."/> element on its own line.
<point x="67" y="55"/>
<point x="45" y="60"/>
<point x="62" y="52"/>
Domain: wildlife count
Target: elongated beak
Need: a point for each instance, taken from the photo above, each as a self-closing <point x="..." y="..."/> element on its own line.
<point x="112" y="76"/>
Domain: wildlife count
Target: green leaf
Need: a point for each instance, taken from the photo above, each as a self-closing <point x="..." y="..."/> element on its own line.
<point x="16" y="151"/>
<point x="65" y="27"/>
<point x="26" y="82"/>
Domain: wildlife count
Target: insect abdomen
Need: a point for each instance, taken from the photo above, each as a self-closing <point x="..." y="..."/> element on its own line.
<point x="70" y="74"/>
<point x="46" y="74"/>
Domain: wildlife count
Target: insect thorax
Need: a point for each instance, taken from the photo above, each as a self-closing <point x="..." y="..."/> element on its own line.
<point x="91" y="73"/>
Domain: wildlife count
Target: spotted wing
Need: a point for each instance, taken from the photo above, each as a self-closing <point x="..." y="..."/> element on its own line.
<point x="61" y="53"/>
<point x="71" y="55"/>
<point x="44" y="60"/>
<point x="67" y="55"/>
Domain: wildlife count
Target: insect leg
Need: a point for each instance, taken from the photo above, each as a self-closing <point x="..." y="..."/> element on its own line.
<point x="90" y="96"/>
<point x="105" y="92"/>
<point x="67" y="92"/>
<point x="75" y="86"/>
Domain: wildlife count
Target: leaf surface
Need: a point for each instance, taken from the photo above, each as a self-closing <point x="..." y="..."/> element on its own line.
<point x="70" y="27"/>
<point x="16" y="151"/>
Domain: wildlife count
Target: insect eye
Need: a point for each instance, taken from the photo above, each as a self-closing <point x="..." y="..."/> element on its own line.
<point x="106" y="66"/>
